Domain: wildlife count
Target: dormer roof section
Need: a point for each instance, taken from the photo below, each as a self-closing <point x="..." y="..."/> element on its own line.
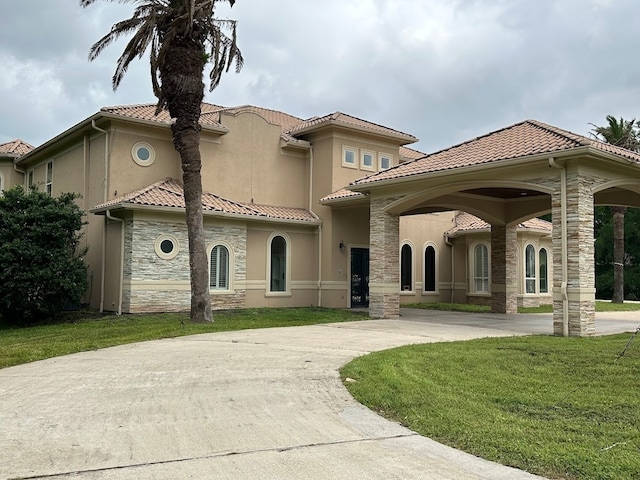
<point x="348" y="122"/>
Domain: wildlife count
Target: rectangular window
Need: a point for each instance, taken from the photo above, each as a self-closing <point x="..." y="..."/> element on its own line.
<point x="49" y="182"/>
<point x="367" y="160"/>
<point x="349" y="157"/>
<point x="385" y="161"/>
<point x="30" y="179"/>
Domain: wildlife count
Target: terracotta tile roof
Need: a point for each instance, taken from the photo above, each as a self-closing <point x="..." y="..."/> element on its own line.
<point x="465" y="222"/>
<point x="147" y="111"/>
<point x="15" y="148"/>
<point x="168" y="193"/>
<point x="286" y="121"/>
<point x="520" y="140"/>
<point x="290" y="125"/>
<point x="341" y="194"/>
<point x="410" y="154"/>
<point x="348" y="121"/>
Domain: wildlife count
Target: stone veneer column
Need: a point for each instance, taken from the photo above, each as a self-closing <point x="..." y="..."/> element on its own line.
<point x="504" y="267"/>
<point x="384" y="263"/>
<point x="580" y="258"/>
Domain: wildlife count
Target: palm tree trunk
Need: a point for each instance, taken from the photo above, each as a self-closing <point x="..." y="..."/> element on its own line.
<point x="182" y="87"/>
<point x="618" y="254"/>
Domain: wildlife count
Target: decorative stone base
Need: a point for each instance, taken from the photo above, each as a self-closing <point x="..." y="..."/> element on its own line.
<point x="581" y="319"/>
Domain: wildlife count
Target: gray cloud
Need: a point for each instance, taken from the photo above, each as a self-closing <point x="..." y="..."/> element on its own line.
<point x="442" y="70"/>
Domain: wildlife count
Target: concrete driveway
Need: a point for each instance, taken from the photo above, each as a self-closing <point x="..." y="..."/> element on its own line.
<point x="264" y="404"/>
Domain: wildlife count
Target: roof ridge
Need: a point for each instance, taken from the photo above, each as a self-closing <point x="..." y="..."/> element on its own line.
<point x="248" y="105"/>
<point x="574" y="137"/>
<point x="234" y="202"/>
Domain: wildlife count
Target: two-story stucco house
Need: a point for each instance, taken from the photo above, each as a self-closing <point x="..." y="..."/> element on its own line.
<point x="281" y="227"/>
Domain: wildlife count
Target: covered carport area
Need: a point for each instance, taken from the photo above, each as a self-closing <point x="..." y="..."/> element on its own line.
<point x="505" y="178"/>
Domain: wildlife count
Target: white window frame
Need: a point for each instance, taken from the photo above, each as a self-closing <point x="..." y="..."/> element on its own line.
<point x="31" y="178"/>
<point x="412" y="275"/>
<point x="435" y="267"/>
<point x="230" y="267"/>
<point x="1" y="183"/>
<point x="530" y="280"/>
<point x="158" y="246"/>
<point x="49" y="177"/>
<point x="474" y="278"/>
<point x="143" y="162"/>
<point x="287" y="291"/>
<point x="353" y="151"/>
<point x="372" y="155"/>
<point x="387" y="156"/>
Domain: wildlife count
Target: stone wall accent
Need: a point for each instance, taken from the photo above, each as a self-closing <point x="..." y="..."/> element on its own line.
<point x="504" y="269"/>
<point x="384" y="267"/>
<point x="153" y="284"/>
<point x="580" y="257"/>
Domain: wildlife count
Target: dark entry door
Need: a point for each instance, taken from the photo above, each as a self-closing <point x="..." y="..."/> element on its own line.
<point x="359" y="277"/>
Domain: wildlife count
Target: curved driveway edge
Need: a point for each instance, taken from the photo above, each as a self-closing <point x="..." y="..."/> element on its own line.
<point x="264" y="404"/>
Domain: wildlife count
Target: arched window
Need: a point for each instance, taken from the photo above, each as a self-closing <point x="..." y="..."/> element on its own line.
<point x="544" y="271"/>
<point x="530" y="269"/>
<point x="429" y="269"/>
<point x="219" y="268"/>
<point x="481" y="268"/>
<point x="406" y="270"/>
<point x="278" y="257"/>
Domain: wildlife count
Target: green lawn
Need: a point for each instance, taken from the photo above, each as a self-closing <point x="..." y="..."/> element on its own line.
<point x="86" y="331"/>
<point x="557" y="407"/>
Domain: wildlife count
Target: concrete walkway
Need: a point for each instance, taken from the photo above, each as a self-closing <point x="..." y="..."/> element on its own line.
<point x="264" y="404"/>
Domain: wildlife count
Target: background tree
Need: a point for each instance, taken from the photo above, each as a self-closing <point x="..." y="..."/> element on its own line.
<point x="621" y="133"/>
<point x="42" y="266"/>
<point x="182" y="37"/>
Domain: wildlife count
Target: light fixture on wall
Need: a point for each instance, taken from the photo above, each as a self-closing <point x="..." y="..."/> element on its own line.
<point x="341" y="247"/>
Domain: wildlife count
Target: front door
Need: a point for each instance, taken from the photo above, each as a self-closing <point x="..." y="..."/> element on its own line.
<point x="359" y="277"/>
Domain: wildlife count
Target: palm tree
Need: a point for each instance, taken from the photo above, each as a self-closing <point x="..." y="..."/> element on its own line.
<point x="622" y="133"/>
<point x="182" y="36"/>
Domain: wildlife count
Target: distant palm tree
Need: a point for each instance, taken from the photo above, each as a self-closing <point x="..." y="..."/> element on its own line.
<point x="183" y="36"/>
<point x="622" y="133"/>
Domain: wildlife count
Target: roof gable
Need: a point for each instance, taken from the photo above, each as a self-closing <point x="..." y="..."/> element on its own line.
<point x="523" y="139"/>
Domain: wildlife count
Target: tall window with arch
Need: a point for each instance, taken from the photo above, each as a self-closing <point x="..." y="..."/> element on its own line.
<point x="406" y="263"/>
<point x="278" y="257"/>
<point x="481" y="268"/>
<point x="219" y="268"/>
<point x="429" y="269"/>
<point x="544" y="270"/>
<point x="530" y="269"/>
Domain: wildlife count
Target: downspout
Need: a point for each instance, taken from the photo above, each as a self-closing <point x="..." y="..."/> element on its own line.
<point x="105" y="195"/>
<point x="565" y="267"/>
<point x="319" y="283"/>
<point x="121" y="278"/>
<point x="15" y="167"/>
<point x="453" y="265"/>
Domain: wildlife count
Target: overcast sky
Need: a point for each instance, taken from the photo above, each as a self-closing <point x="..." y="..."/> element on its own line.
<point x="443" y="70"/>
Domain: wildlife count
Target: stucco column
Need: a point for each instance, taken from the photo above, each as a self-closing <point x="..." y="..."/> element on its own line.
<point x="573" y="272"/>
<point x="504" y="267"/>
<point x="384" y="264"/>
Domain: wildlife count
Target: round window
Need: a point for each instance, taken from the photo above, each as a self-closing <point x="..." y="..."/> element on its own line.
<point x="143" y="154"/>
<point x="167" y="247"/>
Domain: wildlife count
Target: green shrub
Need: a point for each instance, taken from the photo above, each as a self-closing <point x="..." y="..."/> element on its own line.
<point x="41" y="265"/>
